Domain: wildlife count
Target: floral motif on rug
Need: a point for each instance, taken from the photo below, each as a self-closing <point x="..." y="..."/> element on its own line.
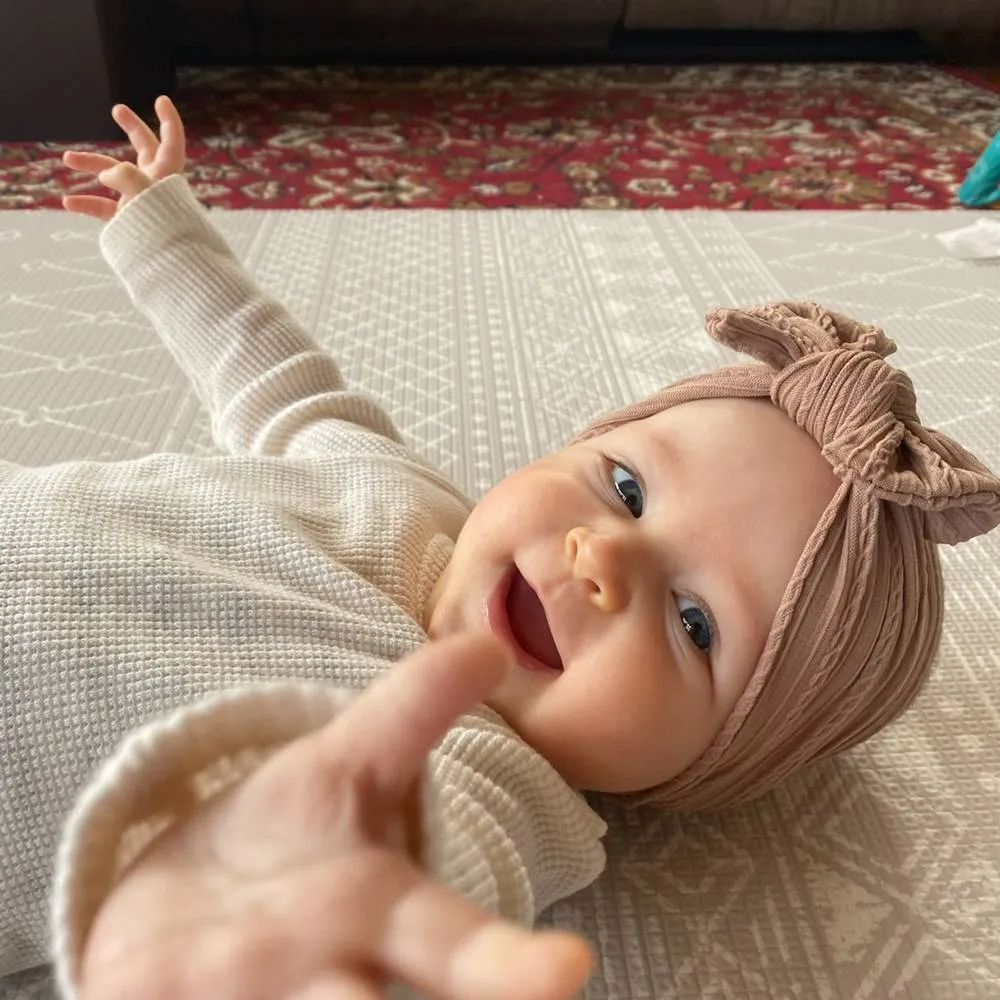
<point x="831" y="136"/>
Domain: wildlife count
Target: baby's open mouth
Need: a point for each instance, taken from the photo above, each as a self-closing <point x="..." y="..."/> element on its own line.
<point x="528" y="623"/>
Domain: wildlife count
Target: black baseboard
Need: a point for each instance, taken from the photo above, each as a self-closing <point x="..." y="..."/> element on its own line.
<point x="622" y="46"/>
<point x="769" y="46"/>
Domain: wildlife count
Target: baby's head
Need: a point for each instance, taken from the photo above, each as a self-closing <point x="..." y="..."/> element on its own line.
<point x="729" y="579"/>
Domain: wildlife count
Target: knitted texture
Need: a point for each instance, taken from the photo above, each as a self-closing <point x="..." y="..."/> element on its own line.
<point x="859" y="624"/>
<point x="211" y="606"/>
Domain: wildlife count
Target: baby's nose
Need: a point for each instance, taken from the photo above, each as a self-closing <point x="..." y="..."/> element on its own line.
<point x="599" y="561"/>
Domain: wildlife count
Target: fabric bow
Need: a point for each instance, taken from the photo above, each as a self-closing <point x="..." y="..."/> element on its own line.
<point x="832" y="379"/>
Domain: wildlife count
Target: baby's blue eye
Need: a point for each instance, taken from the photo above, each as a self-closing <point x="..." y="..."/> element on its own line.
<point x="628" y="489"/>
<point x="696" y="623"/>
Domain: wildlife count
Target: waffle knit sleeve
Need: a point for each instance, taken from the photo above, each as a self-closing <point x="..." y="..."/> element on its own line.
<point x="267" y="385"/>
<point x="499" y="825"/>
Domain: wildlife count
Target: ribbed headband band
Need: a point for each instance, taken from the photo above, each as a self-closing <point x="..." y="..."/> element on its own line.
<point x="858" y="627"/>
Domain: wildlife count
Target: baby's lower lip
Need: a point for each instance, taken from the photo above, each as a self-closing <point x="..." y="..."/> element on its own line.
<point x="499" y="625"/>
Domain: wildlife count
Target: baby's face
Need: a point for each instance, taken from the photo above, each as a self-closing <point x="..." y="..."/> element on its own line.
<point x="635" y="577"/>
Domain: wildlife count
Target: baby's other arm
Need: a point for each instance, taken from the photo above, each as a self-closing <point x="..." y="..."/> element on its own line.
<point x="268" y="386"/>
<point x="305" y="877"/>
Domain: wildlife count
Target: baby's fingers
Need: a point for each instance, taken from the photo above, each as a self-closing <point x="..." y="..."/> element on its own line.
<point x="339" y="986"/>
<point x="387" y="733"/>
<point x="125" y="178"/>
<point x="446" y="947"/>
<point x="173" y="144"/>
<point x="88" y="163"/>
<point x="91" y="204"/>
<point x="142" y="137"/>
<point x="158" y="157"/>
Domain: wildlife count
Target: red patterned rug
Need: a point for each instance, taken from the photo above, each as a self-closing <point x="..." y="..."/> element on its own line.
<point x="847" y="136"/>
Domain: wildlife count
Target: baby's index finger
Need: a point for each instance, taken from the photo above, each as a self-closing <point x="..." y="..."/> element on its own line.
<point x="387" y="732"/>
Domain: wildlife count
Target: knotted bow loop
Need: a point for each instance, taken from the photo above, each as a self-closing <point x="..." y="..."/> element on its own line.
<point x="779" y="333"/>
<point x="831" y="378"/>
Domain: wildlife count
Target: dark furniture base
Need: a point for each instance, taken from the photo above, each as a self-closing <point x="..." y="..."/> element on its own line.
<point x="65" y="62"/>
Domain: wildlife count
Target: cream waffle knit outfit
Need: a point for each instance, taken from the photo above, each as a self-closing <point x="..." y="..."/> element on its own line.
<point x="226" y="605"/>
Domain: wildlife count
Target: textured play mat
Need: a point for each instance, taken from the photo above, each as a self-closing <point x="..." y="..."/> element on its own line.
<point x="493" y="336"/>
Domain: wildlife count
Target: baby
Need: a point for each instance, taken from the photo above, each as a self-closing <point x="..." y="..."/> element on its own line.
<point x="702" y="593"/>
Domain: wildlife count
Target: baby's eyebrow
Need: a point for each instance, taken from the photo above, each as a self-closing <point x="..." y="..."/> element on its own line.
<point x="668" y="457"/>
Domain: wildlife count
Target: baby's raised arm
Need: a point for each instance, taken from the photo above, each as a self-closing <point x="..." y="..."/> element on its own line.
<point x="269" y="388"/>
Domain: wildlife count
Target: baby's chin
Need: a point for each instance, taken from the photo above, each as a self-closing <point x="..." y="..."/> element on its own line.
<point x="508" y="703"/>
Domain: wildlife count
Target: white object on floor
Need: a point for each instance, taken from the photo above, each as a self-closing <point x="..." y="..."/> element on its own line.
<point x="980" y="241"/>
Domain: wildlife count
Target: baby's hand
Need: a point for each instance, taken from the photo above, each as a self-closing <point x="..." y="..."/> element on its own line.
<point x="156" y="159"/>
<point x="301" y="882"/>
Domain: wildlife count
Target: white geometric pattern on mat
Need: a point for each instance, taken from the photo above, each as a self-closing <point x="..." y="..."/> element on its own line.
<point x="493" y="337"/>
